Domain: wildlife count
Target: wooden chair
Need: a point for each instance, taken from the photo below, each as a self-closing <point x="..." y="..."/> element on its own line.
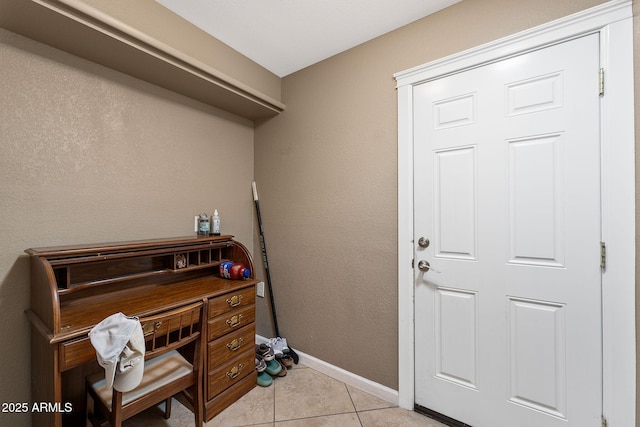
<point x="173" y="367"/>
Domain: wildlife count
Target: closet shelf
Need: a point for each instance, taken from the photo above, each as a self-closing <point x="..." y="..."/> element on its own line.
<point x="79" y="29"/>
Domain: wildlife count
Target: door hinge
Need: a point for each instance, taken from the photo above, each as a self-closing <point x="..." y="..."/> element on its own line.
<point x="601" y="84"/>
<point x="603" y="256"/>
<point x="604" y="421"/>
<point x="413" y="263"/>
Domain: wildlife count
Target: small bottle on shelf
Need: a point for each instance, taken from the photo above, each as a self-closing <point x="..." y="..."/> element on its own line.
<point x="203" y="225"/>
<point x="215" y="223"/>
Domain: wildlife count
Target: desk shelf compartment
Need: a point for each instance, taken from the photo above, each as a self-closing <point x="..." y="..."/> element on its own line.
<point x="201" y="258"/>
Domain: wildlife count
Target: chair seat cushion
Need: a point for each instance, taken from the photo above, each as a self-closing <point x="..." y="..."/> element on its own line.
<point x="158" y="371"/>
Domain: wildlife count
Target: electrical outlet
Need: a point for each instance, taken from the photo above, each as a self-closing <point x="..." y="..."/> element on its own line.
<point x="260" y="289"/>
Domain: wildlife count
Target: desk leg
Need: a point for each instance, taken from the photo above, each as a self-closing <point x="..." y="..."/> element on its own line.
<point x="74" y="395"/>
<point x="45" y="380"/>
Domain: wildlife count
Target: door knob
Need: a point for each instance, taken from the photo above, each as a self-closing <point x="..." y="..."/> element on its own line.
<point x="424" y="265"/>
<point x="423" y="242"/>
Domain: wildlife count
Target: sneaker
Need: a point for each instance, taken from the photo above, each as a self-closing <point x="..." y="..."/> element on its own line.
<point x="273" y="368"/>
<point x="264" y="379"/>
<point x="279" y="345"/>
<point x="283" y="371"/>
<point x="261" y="365"/>
<point x="285" y="360"/>
<point x="265" y="352"/>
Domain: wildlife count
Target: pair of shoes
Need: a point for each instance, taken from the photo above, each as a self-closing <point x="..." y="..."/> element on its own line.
<point x="264" y="379"/>
<point x="279" y="345"/>
<point x="267" y="366"/>
<point x="274" y="367"/>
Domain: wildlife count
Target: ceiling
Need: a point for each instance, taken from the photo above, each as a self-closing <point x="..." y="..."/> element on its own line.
<point x="285" y="36"/>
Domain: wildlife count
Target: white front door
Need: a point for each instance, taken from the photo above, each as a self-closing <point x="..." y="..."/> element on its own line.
<point x="507" y="201"/>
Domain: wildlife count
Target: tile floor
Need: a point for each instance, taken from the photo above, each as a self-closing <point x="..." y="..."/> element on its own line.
<point x="303" y="398"/>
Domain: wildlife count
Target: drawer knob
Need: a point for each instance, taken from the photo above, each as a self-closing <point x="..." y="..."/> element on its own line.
<point x="235" y="371"/>
<point x="235" y="344"/>
<point x="234" y="321"/>
<point x="234" y="301"/>
<point x="151" y="328"/>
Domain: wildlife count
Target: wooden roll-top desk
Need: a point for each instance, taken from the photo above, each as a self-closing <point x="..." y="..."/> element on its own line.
<point x="75" y="287"/>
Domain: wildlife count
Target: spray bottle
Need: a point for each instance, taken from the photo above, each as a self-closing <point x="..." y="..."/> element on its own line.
<point x="215" y="223"/>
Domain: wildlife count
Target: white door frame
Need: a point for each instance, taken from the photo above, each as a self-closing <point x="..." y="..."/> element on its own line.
<point x="613" y="21"/>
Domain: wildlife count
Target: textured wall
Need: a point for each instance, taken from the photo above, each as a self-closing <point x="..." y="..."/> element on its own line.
<point x="327" y="169"/>
<point x="90" y="155"/>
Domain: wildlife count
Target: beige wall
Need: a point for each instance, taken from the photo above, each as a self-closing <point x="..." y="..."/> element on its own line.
<point x="90" y="155"/>
<point x="327" y="171"/>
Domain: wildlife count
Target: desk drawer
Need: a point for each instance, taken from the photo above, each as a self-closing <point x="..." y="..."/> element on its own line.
<point x="229" y="345"/>
<point x="75" y="353"/>
<point x="232" y="301"/>
<point x="230" y="321"/>
<point x="231" y="373"/>
<point x="228" y="397"/>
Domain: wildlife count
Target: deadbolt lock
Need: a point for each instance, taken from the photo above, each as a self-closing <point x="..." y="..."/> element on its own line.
<point x="423" y="242"/>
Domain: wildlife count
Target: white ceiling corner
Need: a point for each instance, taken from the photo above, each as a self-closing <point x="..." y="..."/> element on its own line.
<point x="285" y="36"/>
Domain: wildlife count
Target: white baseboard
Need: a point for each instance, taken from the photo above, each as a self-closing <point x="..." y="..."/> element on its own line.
<point x="378" y="390"/>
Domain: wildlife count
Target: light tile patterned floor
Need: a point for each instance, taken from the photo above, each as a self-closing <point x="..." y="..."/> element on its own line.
<point x="303" y="398"/>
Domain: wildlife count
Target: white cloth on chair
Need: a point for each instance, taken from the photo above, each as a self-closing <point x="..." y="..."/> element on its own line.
<point x="119" y="344"/>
